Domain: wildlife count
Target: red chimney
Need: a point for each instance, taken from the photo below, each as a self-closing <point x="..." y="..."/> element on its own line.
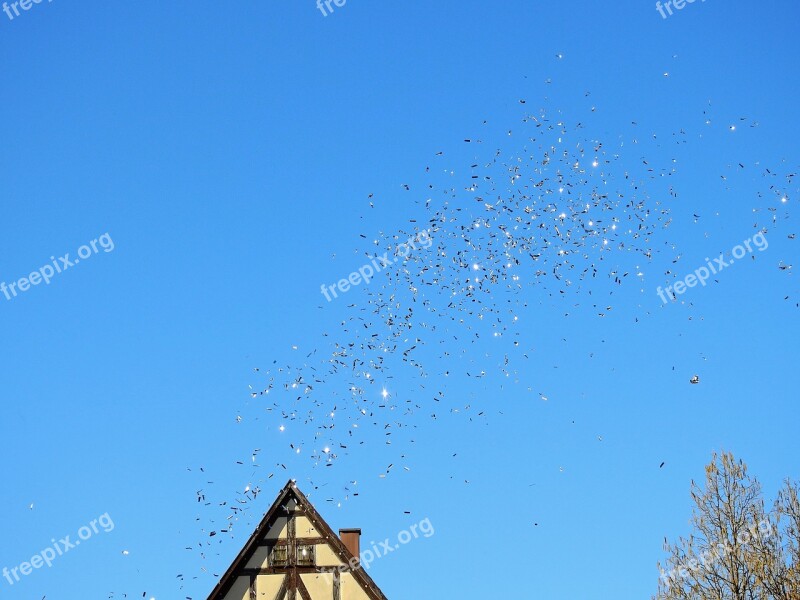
<point x="352" y="540"/>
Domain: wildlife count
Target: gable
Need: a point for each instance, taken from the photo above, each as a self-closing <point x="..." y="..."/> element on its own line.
<point x="294" y="555"/>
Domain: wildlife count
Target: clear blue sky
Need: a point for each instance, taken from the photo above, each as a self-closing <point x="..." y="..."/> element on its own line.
<point x="228" y="149"/>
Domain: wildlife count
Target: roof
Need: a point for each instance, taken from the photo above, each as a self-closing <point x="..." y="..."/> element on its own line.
<point x="305" y="508"/>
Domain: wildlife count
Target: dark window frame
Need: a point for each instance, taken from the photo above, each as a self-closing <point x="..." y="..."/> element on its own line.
<point x="279" y="561"/>
<point x="311" y="559"/>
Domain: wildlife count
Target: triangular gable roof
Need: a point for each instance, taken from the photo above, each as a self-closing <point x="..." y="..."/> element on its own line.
<point x="291" y="491"/>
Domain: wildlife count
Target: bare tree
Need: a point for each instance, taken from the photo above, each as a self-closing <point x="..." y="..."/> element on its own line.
<point x="780" y="554"/>
<point x="738" y="550"/>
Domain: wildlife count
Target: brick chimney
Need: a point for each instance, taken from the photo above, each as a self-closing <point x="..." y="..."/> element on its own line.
<point x="352" y="540"/>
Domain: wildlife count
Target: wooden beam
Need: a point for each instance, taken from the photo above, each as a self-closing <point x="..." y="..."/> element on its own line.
<point x="337" y="586"/>
<point x="292" y="559"/>
<point x="307" y="541"/>
<point x="302" y="570"/>
<point x="282" y="590"/>
<point x="302" y="589"/>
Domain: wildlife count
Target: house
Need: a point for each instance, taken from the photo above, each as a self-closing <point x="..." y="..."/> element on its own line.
<point x="294" y="555"/>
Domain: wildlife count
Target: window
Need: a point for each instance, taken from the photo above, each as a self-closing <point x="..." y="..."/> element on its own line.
<point x="305" y="556"/>
<point x="278" y="556"/>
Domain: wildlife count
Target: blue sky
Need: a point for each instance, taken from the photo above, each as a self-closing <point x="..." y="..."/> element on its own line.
<point x="229" y="152"/>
